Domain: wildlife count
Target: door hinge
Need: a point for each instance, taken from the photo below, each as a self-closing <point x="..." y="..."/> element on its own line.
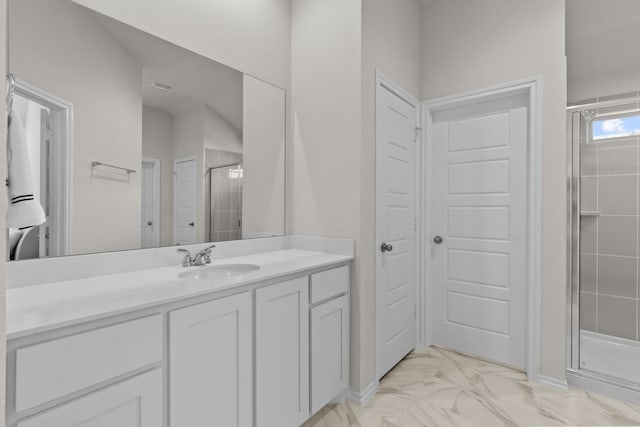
<point x="417" y="133"/>
<point x="415" y="311"/>
<point x="415" y="223"/>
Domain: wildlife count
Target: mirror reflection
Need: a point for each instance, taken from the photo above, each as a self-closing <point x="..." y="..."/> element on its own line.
<point x="134" y="142"/>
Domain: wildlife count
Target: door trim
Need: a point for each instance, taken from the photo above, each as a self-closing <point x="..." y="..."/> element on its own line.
<point x="532" y="89"/>
<point x="156" y="195"/>
<point x="175" y="163"/>
<point x="382" y="81"/>
<point x="61" y="112"/>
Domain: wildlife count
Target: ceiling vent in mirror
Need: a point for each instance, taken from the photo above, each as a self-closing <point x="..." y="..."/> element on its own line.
<point x="160" y="86"/>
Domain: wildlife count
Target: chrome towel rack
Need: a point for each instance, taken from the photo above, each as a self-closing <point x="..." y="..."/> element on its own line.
<point x="107" y="165"/>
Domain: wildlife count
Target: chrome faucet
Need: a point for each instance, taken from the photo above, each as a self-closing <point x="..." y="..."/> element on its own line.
<point x="201" y="258"/>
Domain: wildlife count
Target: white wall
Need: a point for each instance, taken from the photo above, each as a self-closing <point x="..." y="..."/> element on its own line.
<point x="252" y="36"/>
<point x="469" y="45"/>
<point x="263" y="198"/>
<point x="104" y="85"/>
<point x="326" y="103"/>
<point x="157" y="143"/>
<point x="249" y="35"/>
<point x="602" y="54"/>
<point x="219" y="133"/>
<point x="336" y="47"/>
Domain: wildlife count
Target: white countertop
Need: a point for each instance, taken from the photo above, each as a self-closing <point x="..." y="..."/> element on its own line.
<point x="39" y="308"/>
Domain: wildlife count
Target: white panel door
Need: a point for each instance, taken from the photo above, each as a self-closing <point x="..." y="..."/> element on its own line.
<point x="282" y="354"/>
<point x="184" y="197"/>
<point x="395" y="228"/>
<point x="149" y="215"/>
<point x="211" y="364"/>
<point x="136" y="402"/>
<point x="478" y="246"/>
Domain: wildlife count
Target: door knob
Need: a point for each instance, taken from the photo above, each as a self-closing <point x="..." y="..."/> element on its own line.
<point x="437" y="240"/>
<point x="385" y="247"/>
<point x="150" y="223"/>
<point x="191" y="224"/>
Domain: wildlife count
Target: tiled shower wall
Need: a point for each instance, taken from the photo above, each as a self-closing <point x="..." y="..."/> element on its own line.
<point x="609" y="298"/>
<point x="223" y="199"/>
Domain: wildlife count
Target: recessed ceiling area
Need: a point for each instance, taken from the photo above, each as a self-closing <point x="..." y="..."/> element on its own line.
<point x="601" y="46"/>
<point x="193" y="79"/>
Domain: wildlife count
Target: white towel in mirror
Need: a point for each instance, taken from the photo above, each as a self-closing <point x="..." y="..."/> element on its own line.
<point x="24" y="210"/>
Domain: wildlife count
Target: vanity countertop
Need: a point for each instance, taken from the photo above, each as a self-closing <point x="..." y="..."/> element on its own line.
<point x="40" y="308"/>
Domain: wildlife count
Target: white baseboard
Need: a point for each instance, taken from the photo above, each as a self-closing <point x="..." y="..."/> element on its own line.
<point x="551" y="382"/>
<point x="344" y="395"/>
<point x="585" y="382"/>
<point x="362" y="397"/>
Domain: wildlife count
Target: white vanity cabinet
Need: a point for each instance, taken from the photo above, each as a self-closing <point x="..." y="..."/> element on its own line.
<point x="282" y="354"/>
<point x="329" y="315"/>
<point x="99" y="377"/>
<point x="268" y="354"/>
<point x="302" y="346"/>
<point x="136" y="402"/>
<point x="210" y="363"/>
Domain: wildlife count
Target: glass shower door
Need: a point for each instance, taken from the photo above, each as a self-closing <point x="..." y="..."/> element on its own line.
<point x="225" y="211"/>
<point x="605" y="227"/>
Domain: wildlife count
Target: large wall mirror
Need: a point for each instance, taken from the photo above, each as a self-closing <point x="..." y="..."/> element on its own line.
<point x="135" y="142"/>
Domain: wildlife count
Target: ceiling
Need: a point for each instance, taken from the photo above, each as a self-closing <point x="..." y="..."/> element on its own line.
<point x="194" y="79"/>
<point x="601" y="41"/>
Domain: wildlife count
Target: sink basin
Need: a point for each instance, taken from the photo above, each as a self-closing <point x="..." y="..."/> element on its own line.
<point x="219" y="271"/>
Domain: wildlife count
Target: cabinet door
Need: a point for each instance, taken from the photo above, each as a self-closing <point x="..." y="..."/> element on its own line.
<point x="210" y="364"/>
<point x="136" y="402"/>
<point x="329" y="351"/>
<point x="282" y="354"/>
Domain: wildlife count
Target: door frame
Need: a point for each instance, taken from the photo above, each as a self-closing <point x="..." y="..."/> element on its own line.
<point x="532" y="89"/>
<point x="156" y="195"/>
<point x="61" y="113"/>
<point x="382" y="81"/>
<point x="175" y="163"/>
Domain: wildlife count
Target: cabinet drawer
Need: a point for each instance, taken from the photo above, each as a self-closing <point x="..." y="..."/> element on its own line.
<point x="56" y="368"/>
<point x="327" y="284"/>
<point x="135" y="402"/>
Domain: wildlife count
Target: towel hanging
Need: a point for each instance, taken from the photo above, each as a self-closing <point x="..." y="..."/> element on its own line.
<point x="24" y="210"/>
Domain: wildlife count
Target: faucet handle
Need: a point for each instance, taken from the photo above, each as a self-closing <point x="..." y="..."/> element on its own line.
<point x="207" y="254"/>
<point x="186" y="262"/>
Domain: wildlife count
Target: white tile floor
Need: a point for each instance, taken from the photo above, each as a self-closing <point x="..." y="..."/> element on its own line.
<point x="437" y="387"/>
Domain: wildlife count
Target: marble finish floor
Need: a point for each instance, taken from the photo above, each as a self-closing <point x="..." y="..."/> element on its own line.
<point x="437" y="387"/>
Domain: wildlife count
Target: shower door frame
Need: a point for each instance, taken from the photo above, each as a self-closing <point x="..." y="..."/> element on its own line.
<point x="601" y="383"/>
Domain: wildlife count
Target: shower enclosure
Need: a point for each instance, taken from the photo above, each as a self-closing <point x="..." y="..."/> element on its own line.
<point x="604" y="222"/>
<point x="224" y="194"/>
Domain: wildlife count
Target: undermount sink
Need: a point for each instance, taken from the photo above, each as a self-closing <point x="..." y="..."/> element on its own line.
<point x="219" y="271"/>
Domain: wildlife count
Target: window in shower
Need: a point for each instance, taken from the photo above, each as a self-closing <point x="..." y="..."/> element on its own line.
<point x="615" y="127"/>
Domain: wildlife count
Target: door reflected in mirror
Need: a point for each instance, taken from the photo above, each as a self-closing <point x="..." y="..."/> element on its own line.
<point x="135" y="142"/>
